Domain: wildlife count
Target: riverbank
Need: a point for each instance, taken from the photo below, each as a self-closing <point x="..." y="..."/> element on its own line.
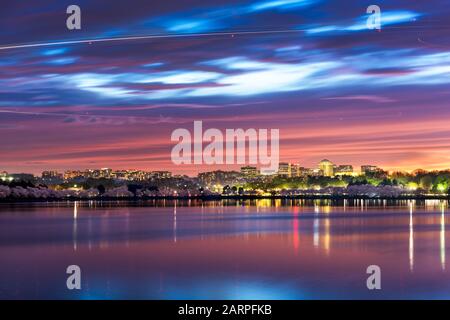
<point x="228" y="197"/>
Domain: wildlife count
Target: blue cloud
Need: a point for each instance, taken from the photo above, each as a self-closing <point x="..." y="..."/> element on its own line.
<point x="63" y="61"/>
<point x="153" y="64"/>
<point x="387" y="18"/>
<point x="190" y="26"/>
<point x="279" y="4"/>
<point x="223" y="18"/>
<point x="54" y="51"/>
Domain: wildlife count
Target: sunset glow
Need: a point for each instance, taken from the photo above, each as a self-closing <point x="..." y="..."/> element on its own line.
<point x="332" y="87"/>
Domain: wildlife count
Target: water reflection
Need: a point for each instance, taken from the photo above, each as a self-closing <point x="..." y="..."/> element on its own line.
<point x="295" y="227"/>
<point x="411" y="238"/>
<point x="283" y="248"/>
<point x="175" y="223"/>
<point x="75" y="217"/>
<point x="316" y="225"/>
<point x="442" y="237"/>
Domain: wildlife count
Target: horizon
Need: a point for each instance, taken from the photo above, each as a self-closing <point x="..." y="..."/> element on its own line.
<point x="227" y="168"/>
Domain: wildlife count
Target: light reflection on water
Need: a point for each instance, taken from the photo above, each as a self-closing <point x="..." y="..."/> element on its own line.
<point x="254" y="249"/>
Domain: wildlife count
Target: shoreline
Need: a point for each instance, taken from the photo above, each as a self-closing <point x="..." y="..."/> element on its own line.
<point x="222" y="197"/>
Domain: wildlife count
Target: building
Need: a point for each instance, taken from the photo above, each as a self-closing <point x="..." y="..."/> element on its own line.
<point x="315" y="173"/>
<point x="98" y="173"/>
<point x="344" y="170"/>
<point x="249" y="171"/>
<point x="284" y="169"/>
<point x="133" y="175"/>
<point x="219" y="178"/>
<point x="305" y="172"/>
<point x="296" y="170"/>
<point x="72" y="174"/>
<point x="369" y="169"/>
<point x="160" y="175"/>
<point x="120" y="174"/>
<point x="5" y="177"/>
<point x="52" y="177"/>
<point x="327" y="168"/>
<point x="105" y="173"/>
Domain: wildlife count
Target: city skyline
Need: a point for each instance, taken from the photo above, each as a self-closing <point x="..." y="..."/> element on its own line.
<point x="317" y="169"/>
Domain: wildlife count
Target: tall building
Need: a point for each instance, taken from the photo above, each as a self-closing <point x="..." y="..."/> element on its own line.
<point x="296" y="170"/>
<point x="284" y="169"/>
<point x="327" y="167"/>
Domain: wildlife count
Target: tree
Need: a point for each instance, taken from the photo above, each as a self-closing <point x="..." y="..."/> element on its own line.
<point x="101" y="189"/>
<point x="426" y="182"/>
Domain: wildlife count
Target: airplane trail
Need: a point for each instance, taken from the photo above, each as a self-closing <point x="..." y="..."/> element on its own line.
<point x="161" y="36"/>
<point x="144" y="37"/>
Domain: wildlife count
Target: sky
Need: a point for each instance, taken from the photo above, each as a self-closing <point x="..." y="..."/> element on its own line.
<point x="310" y="68"/>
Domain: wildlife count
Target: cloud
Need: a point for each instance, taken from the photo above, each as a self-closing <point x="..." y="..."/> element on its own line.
<point x="388" y="18"/>
<point x="62" y="61"/>
<point x="235" y="76"/>
<point x="190" y="26"/>
<point x="54" y="51"/>
<point x="210" y="19"/>
<point x="279" y="4"/>
<point x="178" y="77"/>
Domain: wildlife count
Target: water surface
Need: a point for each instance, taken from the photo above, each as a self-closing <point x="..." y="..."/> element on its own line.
<point x="261" y="249"/>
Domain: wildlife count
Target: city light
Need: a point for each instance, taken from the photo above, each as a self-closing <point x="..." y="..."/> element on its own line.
<point x="290" y="180"/>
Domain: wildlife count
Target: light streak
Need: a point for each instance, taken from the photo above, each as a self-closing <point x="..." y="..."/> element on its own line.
<point x="144" y="37"/>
